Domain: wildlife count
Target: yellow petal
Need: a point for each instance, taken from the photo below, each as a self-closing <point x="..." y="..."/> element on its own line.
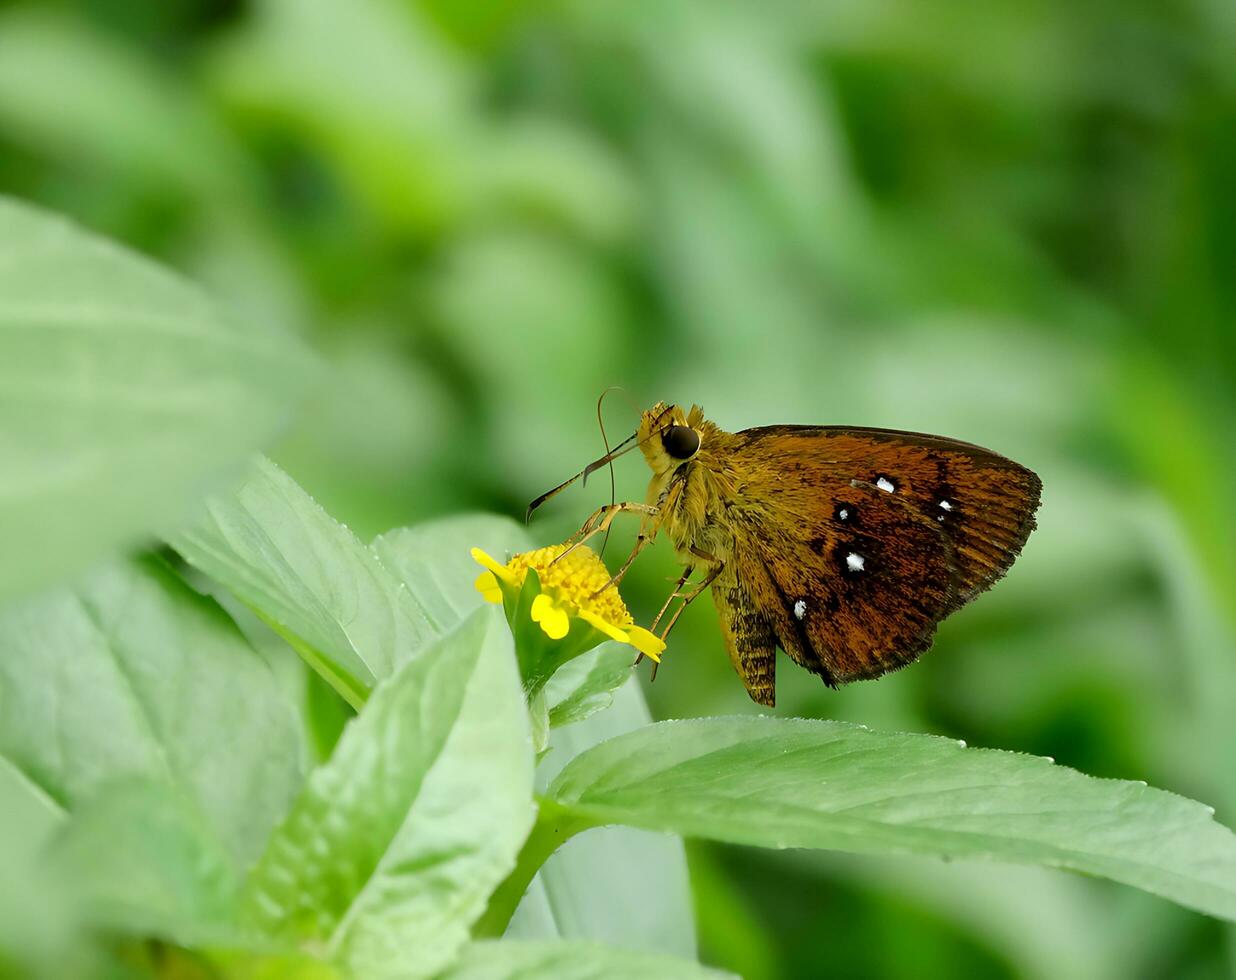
<point x="647" y="643"/>
<point x="501" y="571"/>
<point x="487" y="585"/>
<point x="609" y="629"/>
<point x="554" y="621"/>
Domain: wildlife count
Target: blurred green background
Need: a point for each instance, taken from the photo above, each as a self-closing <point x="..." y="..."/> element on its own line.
<point x="1011" y="222"/>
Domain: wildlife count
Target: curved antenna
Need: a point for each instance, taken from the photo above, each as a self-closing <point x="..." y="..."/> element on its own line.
<point x="592" y="467"/>
<point x="621" y="449"/>
<point x="613" y="491"/>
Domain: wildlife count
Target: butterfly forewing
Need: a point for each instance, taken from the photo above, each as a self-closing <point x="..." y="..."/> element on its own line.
<point x="852" y="544"/>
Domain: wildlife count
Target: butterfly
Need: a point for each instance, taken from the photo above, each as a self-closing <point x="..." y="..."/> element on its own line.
<point x="843" y="546"/>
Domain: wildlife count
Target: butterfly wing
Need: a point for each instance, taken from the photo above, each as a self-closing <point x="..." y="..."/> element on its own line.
<point x="852" y="544"/>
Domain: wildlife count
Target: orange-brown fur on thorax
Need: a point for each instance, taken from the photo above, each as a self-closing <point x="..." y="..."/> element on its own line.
<point x="690" y="494"/>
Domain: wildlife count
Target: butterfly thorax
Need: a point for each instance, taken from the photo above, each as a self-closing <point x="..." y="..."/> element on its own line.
<point x="692" y="495"/>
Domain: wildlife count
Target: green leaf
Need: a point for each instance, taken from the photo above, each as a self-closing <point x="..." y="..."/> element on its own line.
<point x="136" y="676"/>
<point x="355" y="613"/>
<point x="40" y="935"/>
<point x="596" y="886"/>
<point x="124" y="392"/>
<point x="591" y="887"/>
<point x="794" y="783"/>
<point x="434" y="561"/>
<point x="310" y="578"/>
<point x="396" y="843"/>
<point x="141" y="861"/>
<point x="508" y="959"/>
<point x="172" y="963"/>
<point x="30" y="815"/>
<point x="587" y="684"/>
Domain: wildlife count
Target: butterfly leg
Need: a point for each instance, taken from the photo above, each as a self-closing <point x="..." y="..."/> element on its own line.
<point x="600" y="521"/>
<point x="676" y="594"/>
<point x="647" y="531"/>
<point x="716" y="565"/>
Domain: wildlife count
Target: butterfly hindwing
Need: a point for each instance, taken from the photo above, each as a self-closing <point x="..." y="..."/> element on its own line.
<point x="855" y="598"/>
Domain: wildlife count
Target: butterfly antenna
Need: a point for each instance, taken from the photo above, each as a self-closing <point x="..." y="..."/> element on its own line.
<point x="592" y="467"/>
<point x="621" y="449"/>
<point x="613" y="491"/>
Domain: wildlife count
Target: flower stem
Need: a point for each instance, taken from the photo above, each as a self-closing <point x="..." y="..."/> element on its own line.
<point x="554" y="826"/>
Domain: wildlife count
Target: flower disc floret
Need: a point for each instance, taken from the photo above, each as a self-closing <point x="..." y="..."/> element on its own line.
<point x="566" y="594"/>
<point x="579" y="580"/>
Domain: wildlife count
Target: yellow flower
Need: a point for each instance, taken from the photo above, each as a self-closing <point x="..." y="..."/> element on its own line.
<point x="572" y="594"/>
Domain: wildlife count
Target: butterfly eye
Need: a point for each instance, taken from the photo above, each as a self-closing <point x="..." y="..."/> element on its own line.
<point x="681" y="441"/>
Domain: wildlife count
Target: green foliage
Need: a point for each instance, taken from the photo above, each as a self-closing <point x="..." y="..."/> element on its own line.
<point x="796" y="783"/>
<point x="586" y="685"/>
<point x="396" y="842"/>
<point x="510" y="959"/>
<point x="310" y="578"/>
<point x="419" y="821"/>
<point x="433" y="561"/>
<point x="161" y="136"/>
<point x="1007" y="223"/>
<point x="565" y="899"/>
<point x="379" y="866"/>
<point x="143" y="863"/>
<point x="132" y="676"/>
<point x="354" y="611"/>
<point x="125" y="391"/>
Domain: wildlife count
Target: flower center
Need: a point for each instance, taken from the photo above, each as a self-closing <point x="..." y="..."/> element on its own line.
<point x="576" y="579"/>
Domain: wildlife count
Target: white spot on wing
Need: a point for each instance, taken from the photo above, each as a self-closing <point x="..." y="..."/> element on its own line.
<point x="800" y="609"/>
<point x="855" y="562"/>
<point x="843" y="514"/>
<point x="945" y="505"/>
<point x="885" y="484"/>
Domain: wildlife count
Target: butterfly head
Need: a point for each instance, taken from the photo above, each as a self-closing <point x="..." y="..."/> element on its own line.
<point x="670" y="436"/>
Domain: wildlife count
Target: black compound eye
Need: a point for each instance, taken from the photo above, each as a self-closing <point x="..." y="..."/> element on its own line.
<point x="681" y="441"/>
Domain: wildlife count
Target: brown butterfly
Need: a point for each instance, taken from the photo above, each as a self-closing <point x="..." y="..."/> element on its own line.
<point x="843" y="546"/>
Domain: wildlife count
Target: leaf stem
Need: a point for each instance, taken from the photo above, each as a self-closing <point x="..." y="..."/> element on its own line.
<point x="554" y="826"/>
